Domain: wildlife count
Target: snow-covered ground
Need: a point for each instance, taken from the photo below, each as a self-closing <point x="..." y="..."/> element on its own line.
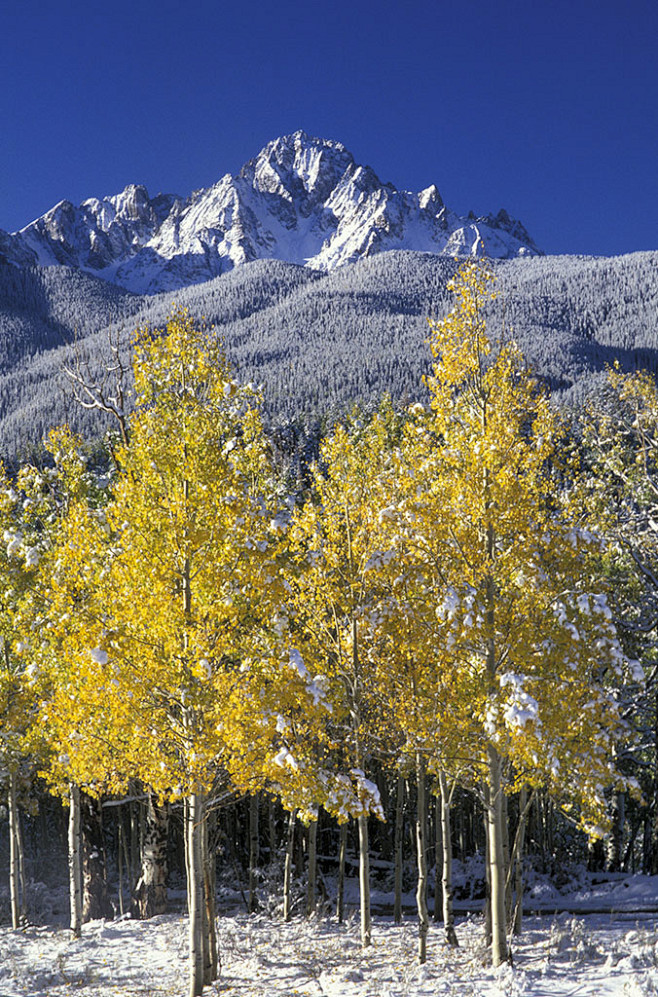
<point x="558" y="955"/>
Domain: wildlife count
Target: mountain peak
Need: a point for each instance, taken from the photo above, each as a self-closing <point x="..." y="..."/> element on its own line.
<point x="302" y="140"/>
<point x="301" y="199"/>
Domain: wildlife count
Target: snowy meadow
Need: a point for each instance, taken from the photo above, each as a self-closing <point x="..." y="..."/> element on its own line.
<point x="568" y="954"/>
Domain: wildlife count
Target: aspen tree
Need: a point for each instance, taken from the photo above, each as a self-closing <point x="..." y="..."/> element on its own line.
<point x="162" y="641"/>
<point x="71" y="558"/>
<point x="24" y="514"/>
<point x="333" y="610"/>
<point x="620" y="490"/>
<point x="173" y="653"/>
<point x="418" y="693"/>
<point x="518" y="632"/>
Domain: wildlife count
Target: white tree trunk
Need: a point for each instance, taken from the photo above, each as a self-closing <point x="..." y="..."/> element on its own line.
<point x="311" y="880"/>
<point x="495" y="839"/>
<point x="421" y="855"/>
<point x="399" y="832"/>
<point x="14" y="852"/>
<point x="194" y="850"/>
<point x="21" y="869"/>
<point x="75" y="861"/>
<point x="486" y="795"/>
<point x="364" y="882"/>
<point x="446" y="876"/>
<point x="287" y="869"/>
<point x="340" y="889"/>
<point x="253" y="854"/>
<point x="499" y="953"/>
<point x="438" y="863"/>
<point x="150" y="896"/>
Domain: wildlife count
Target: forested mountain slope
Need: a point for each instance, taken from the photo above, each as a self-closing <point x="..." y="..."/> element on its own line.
<point x="319" y="342"/>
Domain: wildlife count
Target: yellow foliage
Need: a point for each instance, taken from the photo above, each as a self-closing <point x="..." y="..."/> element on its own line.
<point x="507" y="643"/>
<point x="167" y="662"/>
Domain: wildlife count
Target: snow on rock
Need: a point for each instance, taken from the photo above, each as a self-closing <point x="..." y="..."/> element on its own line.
<point x="302" y="199"/>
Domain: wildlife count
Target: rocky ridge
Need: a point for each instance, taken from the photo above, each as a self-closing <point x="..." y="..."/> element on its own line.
<point x="303" y="200"/>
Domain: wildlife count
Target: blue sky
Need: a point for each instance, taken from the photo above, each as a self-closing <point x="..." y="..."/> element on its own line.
<point x="545" y="107"/>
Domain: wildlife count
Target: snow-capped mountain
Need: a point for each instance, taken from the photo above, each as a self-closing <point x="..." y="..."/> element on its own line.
<point x="302" y="200"/>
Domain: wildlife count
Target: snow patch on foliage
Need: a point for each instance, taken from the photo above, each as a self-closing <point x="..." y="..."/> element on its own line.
<point x="285" y="757"/>
<point x="447" y="609"/>
<point x="352" y="795"/>
<point x="296" y="661"/>
<point x="520" y="707"/>
<point x="368" y="793"/>
<point x="32" y="557"/>
<point x="636" y="671"/>
<point x="14" y="540"/>
<point x="379" y="559"/>
<point x="317" y="686"/>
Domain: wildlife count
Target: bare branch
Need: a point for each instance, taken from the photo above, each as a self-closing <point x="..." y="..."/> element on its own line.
<point x="104" y="392"/>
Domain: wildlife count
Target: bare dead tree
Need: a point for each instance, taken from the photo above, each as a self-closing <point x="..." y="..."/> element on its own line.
<point x="103" y="390"/>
